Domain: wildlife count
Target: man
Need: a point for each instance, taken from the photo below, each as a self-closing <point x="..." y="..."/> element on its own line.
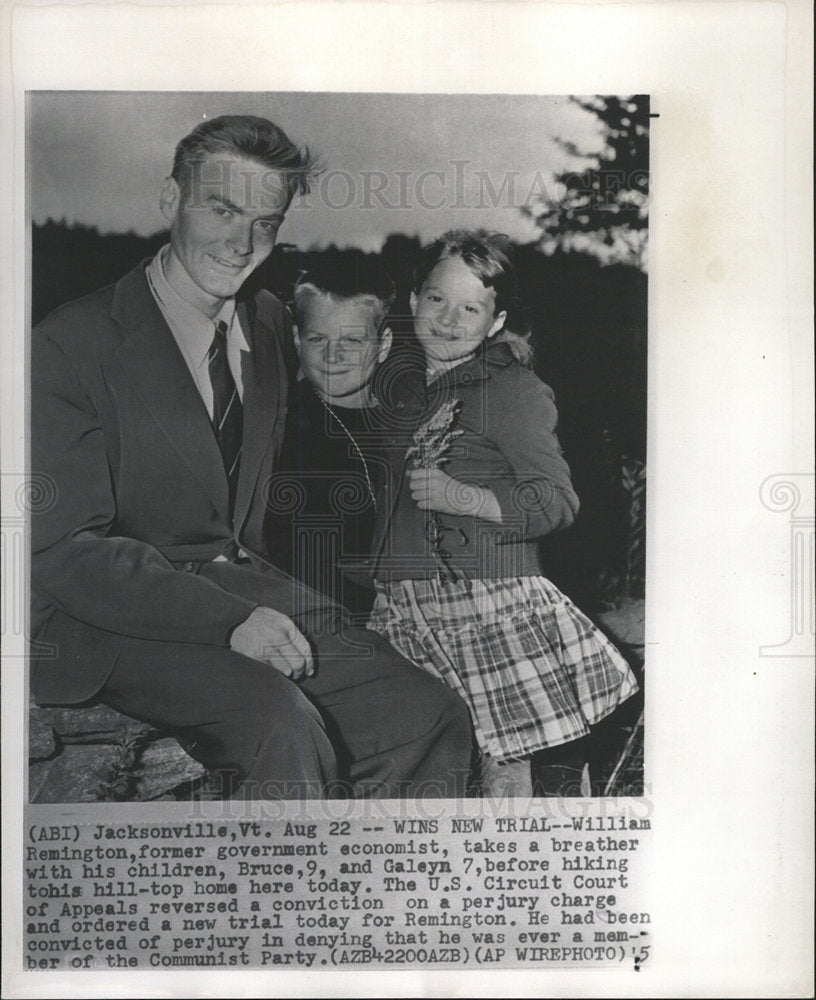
<point x="157" y="410"/>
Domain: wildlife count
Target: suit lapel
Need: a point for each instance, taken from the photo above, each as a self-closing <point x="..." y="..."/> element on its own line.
<point x="155" y="367"/>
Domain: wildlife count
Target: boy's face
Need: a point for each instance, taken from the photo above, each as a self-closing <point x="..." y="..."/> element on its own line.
<point x="339" y="349"/>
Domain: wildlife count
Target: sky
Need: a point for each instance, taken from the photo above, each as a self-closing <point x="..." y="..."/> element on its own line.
<point x="416" y="164"/>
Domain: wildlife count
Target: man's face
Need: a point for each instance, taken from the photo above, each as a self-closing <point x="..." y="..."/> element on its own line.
<point x="223" y="224"/>
<point x="339" y="348"/>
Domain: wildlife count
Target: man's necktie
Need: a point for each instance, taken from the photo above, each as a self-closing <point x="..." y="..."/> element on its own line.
<point x="228" y="414"/>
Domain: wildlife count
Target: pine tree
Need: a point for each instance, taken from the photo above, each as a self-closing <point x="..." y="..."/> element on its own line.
<point x="603" y="209"/>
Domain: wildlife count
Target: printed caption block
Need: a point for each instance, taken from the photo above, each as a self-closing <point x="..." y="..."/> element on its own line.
<point x="531" y="884"/>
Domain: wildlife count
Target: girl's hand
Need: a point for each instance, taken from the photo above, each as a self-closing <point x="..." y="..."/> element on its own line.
<point x="433" y="489"/>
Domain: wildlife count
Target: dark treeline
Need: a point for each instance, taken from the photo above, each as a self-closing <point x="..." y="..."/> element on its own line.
<point x="589" y="332"/>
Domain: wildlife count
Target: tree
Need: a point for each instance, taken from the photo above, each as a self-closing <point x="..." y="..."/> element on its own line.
<point x="603" y="208"/>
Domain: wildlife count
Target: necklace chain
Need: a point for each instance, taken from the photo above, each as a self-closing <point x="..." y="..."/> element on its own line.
<point x="356" y="447"/>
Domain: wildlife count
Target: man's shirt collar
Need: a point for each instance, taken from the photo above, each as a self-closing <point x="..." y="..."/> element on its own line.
<point x="193" y="331"/>
<point x="190" y="326"/>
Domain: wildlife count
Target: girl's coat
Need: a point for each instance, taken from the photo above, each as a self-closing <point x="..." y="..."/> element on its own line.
<point x="533" y="669"/>
<point x="508" y="419"/>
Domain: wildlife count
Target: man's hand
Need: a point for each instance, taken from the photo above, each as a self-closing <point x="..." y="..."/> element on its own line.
<point x="272" y="638"/>
<point x="433" y="489"/>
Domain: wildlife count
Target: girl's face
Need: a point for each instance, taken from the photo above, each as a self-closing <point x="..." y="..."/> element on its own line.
<point x="453" y="313"/>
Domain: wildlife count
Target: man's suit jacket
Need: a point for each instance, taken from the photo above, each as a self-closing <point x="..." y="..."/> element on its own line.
<point x="141" y="502"/>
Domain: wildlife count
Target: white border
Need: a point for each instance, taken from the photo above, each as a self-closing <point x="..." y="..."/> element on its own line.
<point x="731" y="401"/>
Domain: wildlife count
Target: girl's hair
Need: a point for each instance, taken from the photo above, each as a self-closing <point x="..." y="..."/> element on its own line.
<point x="489" y="255"/>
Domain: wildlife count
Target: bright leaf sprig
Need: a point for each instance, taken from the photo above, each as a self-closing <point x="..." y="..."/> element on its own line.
<point x="432" y="440"/>
<point x="431" y="444"/>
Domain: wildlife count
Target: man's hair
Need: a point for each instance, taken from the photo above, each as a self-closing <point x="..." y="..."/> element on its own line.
<point x="249" y="137"/>
<point x="344" y="279"/>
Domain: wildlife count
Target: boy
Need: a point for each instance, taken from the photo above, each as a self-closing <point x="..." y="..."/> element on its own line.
<point x="321" y="501"/>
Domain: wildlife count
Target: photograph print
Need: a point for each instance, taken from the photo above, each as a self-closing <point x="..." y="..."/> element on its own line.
<point x="338" y="402"/>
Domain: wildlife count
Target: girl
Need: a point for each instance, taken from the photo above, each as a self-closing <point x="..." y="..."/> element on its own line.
<point x="459" y="584"/>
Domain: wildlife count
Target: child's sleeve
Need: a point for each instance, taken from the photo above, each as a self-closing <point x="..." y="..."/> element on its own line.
<point x="538" y="498"/>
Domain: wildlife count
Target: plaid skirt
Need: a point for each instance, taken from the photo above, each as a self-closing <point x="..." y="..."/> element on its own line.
<point x="533" y="669"/>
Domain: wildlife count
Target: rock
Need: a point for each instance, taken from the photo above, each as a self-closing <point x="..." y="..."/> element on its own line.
<point x="42" y="738"/>
<point x="75" y="775"/>
<point x="96" y="754"/>
<point x="164" y="766"/>
<point x="96" y="723"/>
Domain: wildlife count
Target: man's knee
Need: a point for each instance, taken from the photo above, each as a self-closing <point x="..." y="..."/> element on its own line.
<point x="426" y="705"/>
<point x="421" y="694"/>
<point x="278" y="716"/>
<point x="451" y="712"/>
<point x="271" y="732"/>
